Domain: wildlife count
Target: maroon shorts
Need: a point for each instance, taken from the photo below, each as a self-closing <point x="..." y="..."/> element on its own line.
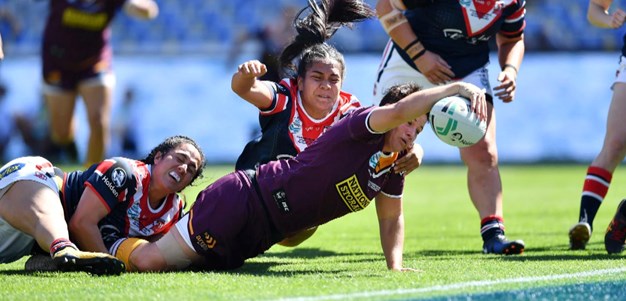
<point x="58" y="76"/>
<point x="228" y="224"/>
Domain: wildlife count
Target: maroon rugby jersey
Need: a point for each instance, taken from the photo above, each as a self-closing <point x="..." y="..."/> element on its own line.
<point x="77" y="32"/>
<point x="339" y="173"/>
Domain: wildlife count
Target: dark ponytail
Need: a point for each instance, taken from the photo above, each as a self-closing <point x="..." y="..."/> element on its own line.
<point x="314" y="29"/>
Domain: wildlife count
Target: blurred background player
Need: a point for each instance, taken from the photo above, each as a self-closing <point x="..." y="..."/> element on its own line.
<point x="437" y="41"/>
<point x="76" y="56"/>
<point x="124" y="129"/>
<point x="271" y="38"/>
<point x="600" y="171"/>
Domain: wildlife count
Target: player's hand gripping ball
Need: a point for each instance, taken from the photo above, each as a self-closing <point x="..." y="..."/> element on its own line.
<point x="454" y="122"/>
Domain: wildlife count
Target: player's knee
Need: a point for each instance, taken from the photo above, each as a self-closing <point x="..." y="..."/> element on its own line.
<point x="615" y="147"/>
<point x="146" y="258"/>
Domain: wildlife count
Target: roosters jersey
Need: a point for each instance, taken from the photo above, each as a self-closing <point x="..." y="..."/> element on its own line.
<point x="287" y="128"/>
<point x="77" y="32"/>
<point x="338" y="174"/>
<point x="459" y="30"/>
<point x="122" y="186"/>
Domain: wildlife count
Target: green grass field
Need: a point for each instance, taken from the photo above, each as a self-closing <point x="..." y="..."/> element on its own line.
<point x="343" y="260"/>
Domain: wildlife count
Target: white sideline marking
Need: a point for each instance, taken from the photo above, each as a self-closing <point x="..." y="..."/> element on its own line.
<point x="456" y="286"/>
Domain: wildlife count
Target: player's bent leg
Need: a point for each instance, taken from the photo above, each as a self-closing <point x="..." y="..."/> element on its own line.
<point x="168" y="253"/>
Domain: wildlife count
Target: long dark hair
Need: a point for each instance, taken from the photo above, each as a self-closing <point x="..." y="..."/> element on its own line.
<point x="172" y="143"/>
<point x="396" y="92"/>
<point x="315" y="28"/>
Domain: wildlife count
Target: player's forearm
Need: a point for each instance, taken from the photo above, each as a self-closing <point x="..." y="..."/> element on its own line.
<point x="511" y="52"/>
<point x="398" y="28"/>
<point x="242" y="84"/>
<point x="87" y="237"/>
<point x="392" y="241"/>
<point x="598" y="14"/>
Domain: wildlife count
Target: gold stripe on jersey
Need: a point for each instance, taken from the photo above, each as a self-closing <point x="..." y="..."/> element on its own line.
<point x="78" y="19"/>
<point x="352" y="195"/>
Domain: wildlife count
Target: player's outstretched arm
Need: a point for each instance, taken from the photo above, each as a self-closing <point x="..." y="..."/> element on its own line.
<point x="385" y="118"/>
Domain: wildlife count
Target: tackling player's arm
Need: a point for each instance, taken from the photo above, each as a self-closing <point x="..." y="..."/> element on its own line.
<point x="83" y="225"/>
<point x="246" y="84"/>
<point x="409" y="162"/>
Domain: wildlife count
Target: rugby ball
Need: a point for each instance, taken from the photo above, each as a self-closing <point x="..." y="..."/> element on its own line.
<point x="454" y="122"/>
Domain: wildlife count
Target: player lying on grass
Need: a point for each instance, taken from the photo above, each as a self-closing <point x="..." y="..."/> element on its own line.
<point x="298" y="109"/>
<point x="115" y="198"/>
<point x="242" y="214"/>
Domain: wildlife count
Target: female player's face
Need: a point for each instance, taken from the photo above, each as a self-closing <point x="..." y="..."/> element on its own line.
<point x="402" y="137"/>
<point x="320" y="87"/>
<point x="175" y="170"/>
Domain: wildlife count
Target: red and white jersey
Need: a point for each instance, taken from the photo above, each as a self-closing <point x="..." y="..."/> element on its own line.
<point x="122" y="186"/>
<point x="287" y="128"/>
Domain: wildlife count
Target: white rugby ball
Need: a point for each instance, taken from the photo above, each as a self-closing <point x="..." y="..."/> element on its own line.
<point x="454" y="122"/>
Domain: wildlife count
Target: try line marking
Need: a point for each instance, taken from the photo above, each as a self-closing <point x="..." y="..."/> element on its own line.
<point x="387" y="293"/>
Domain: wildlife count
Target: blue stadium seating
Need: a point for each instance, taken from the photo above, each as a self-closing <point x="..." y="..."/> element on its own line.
<point x="193" y="25"/>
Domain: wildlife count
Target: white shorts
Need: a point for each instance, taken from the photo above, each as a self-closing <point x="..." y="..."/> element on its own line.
<point x="106" y="79"/>
<point x="393" y="70"/>
<point x="15" y="244"/>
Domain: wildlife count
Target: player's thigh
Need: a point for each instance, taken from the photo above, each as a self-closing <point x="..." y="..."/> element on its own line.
<point x="617" y="110"/>
<point x="60" y="106"/>
<point x="97" y="93"/>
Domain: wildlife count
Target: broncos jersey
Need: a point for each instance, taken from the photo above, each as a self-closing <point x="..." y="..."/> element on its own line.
<point x="77" y="33"/>
<point x="341" y="173"/>
<point x="122" y="186"/>
<point x="459" y="30"/>
<point x="286" y="127"/>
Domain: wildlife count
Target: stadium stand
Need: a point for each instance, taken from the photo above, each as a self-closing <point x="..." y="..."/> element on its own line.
<point x="201" y="26"/>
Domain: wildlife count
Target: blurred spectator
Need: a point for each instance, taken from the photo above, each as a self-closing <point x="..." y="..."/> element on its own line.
<point x="10" y="27"/>
<point x="272" y="38"/>
<point x="123" y="127"/>
<point x="6" y="129"/>
<point x="76" y="56"/>
<point x="32" y="126"/>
